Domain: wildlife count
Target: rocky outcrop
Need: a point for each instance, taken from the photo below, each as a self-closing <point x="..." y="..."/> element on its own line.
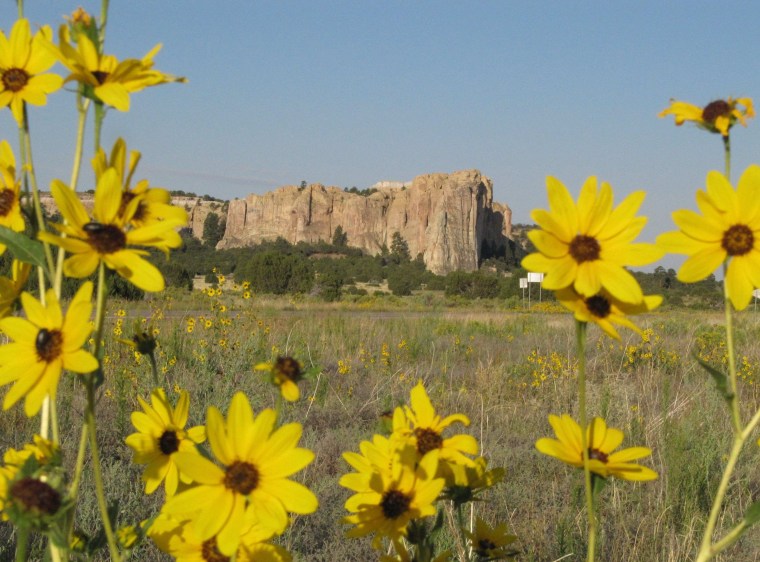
<point x="448" y="218"/>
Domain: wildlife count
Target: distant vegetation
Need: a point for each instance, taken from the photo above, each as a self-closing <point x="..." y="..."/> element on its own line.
<point x="331" y="270"/>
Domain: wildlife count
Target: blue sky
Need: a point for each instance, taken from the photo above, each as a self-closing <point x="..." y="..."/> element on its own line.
<point x="351" y="93"/>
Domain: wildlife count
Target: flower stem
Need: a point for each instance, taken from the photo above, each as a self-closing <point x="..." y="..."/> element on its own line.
<point x="22" y="542"/>
<point x="734" y="401"/>
<point x="90" y="420"/>
<point x="727" y="155"/>
<point x="580" y="333"/>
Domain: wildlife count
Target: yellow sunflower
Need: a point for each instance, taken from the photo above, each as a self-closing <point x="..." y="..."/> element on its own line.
<point x="602" y="442"/>
<point x="727" y="229"/>
<point x="605" y="310"/>
<point x="468" y="482"/>
<point x="588" y="245"/>
<point x="23" y="62"/>
<point x="716" y="117"/>
<point x="490" y="543"/>
<point x="106" y="235"/>
<point x="44" y="343"/>
<point x="160" y="435"/>
<point x="424" y="428"/>
<point x="10" y="190"/>
<point x="177" y="538"/>
<point x="154" y="203"/>
<point x="257" y="460"/>
<point x="111" y="80"/>
<point x="286" y="372"/>
<point x="396" y="497"/>
<point x="11" y="287"/>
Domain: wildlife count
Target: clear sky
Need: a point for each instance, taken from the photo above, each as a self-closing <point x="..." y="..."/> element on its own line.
<point x="349" y="93"/>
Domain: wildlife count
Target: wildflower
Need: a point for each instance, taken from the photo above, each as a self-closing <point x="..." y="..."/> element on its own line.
<point x="127" y="536"/>
<point x="104" y="77"/>
<point x="10" y="288"/>
<point x="716" y="117"/>
<point x="103" y="237"/>
<point x="588" y="245"/>
<point x="490" y="543"/>
<point x="605" y="310"/>
<point x="602" y="441"/>
<point x="160" y="436"/>
<point x="285" y="373"/>
<point x="10" y="189"/>
<point x="257" y="460"/>
<point x="470" y="481"/>
<point x="177" y="538"/>
<point x="424" y="429"/>
<point x="23" y="62"/>
<point x="395" y="497"/>
<point x="728" y="230"/>
<point x="45" y="343"/>
<point x="142" y="204"/>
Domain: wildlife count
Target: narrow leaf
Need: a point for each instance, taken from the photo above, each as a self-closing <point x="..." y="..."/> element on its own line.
<point x="721" y="380"/>
<point x="22" y="247"/>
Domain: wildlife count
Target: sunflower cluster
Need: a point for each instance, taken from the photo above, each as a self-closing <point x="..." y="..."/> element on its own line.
<point x="228" y="507"/>
<point x="584" y="250"/>
<point x="400" y="482"/>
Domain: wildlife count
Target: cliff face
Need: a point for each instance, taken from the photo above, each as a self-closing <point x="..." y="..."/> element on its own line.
<point x="448" y="218"/>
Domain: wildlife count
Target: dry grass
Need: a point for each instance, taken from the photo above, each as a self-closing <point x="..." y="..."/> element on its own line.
<point x="506" y="370"/>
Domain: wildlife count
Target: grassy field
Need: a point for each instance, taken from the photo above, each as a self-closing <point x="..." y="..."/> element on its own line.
<point x="505" y="369"/>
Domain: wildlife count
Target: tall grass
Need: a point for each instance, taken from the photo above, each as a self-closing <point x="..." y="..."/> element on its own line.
<point x="507" y="370"/>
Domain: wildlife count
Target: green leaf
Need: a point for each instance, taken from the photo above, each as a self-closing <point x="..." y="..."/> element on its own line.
<point x="721" y="380"/>
<point x="752" y="514"/>
<point x="22" y="247"/>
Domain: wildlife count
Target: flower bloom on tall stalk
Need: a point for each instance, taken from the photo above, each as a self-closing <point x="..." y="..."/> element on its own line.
<point x="602" y="442"/>
<point x="394" y="497"/>
<point x="716" y="117"/>
<point x="10" y="191"/>
<point x="23" y="62"/>
<point x="257" y="460"/>
<point x="11" y="287"/>
<point x="44" y="451"/>
<point x="154" y="203"/>
<point x="490" y="543"/>
<point x="727" y="230"/>
<point x="44" y="343"/>
<point x="588" y="245"/>
<point x="177" y="538"/>
<point x="107" y="235"/>
<point x="605" y="310"/>
<point x="160" y="435"/>
<point x="423" y="428"/>
<point x="285" y="373"/>
<point x="110" y="80"/>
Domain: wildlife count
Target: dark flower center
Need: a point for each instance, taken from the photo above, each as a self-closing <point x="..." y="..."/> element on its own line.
<point x="715" y="109"/>
<point x="485" y="546"/>
<point x="288" y="368"/>
<point x="738" y="240"/>
<point x="427" y="440"/>
<point x="36" y="496"/>
<point x="241" y="477"/>
<point x="584" y="248"/>
<point x="7" y="199"/>
<point x="168" y="442"/>
<point x="100" y="76"/>
<point x="394" y="504"/>
<point x="105" y="238"/>
<point x="210" y="552"/>
<point x="14" y="79"/>
<point x="596" y="454"/>
<point x="49" y="344"/>
<point x="598" y="306"/>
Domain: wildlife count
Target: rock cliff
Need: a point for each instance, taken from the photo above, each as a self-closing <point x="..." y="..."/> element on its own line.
<point x="448" y="218"/>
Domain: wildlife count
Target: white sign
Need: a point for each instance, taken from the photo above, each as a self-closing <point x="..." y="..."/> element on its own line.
<point x="523" y="282"/>
<point x="535" y="277"/>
